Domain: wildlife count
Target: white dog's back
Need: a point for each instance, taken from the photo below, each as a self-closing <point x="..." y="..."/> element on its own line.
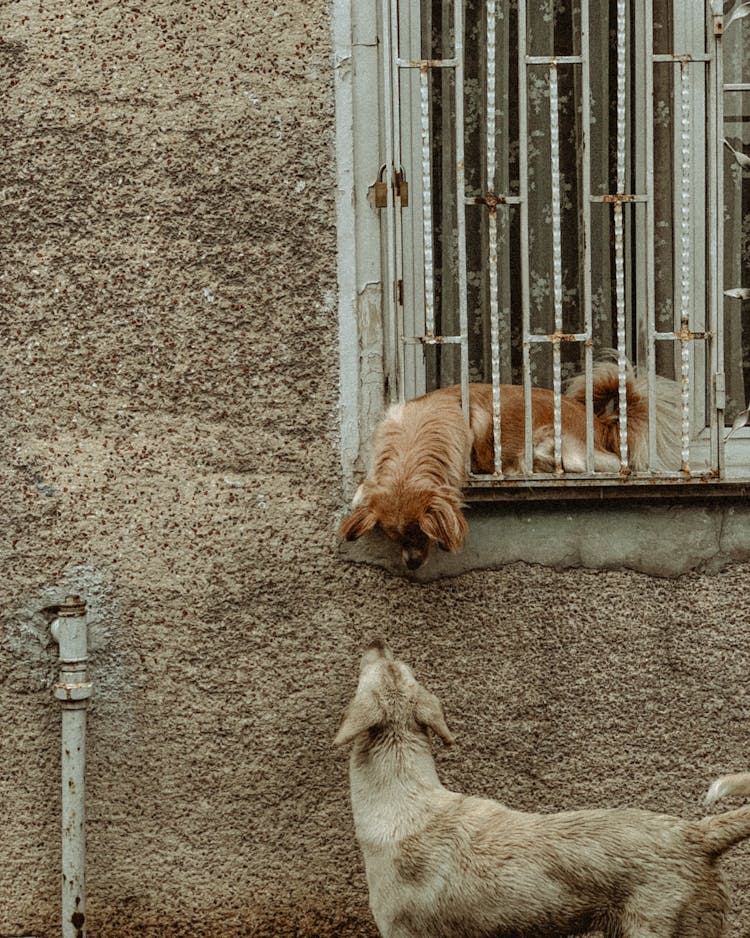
<point x="445" y="865"/>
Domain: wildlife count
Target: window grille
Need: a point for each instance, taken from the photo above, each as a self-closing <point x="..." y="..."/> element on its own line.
<point x="577" y="180"/>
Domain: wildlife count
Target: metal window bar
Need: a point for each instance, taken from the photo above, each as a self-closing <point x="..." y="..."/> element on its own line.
<point x="685" y="307"/>
<point x="429" y="253"/>
<point x="397" y="63"/>
<point x="586" y="220"/>
<point x="716" y="244"/>
<point x="685" y="333"/>
<point x="650" y="229"/>
<point x="463" y="312"/>
<point x="491" y="203"/>
<point x="391" y="125"/>
<point x="523" y="147"/>
<point x="557" y="277"/>
<point x="619" y="232"/>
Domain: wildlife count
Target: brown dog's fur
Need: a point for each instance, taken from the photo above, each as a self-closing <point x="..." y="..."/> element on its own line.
<point x="414" y="489"/>
<point x="444" y="865"/>
<point x="423" y="447"/>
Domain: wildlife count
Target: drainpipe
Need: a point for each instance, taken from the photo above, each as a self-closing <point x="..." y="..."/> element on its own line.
<point x="73" y="692"/>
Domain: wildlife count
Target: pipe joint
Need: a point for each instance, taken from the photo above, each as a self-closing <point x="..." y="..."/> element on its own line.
<point x="73" y="607"/>
<point x="70" y="632"/>
<point x="80" y="690"/>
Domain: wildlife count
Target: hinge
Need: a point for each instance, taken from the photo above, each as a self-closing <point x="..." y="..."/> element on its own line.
<point x="720" y="391"/>
<point x="381" y="189"/>
<point x="400" y="292"/>
<point x="400" y="187"/>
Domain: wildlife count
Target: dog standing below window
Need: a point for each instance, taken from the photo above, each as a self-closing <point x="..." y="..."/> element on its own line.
<point x="445" y="865"/>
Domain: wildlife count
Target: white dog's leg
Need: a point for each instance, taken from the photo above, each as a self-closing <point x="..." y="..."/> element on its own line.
<point x="654" y="909"/>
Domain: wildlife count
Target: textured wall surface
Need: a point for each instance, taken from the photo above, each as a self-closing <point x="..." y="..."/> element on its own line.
<point x="170" y="451"/>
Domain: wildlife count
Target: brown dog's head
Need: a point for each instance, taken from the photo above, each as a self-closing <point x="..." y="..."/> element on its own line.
<point x="413" y="519"/>
<point x="390" y="698"/>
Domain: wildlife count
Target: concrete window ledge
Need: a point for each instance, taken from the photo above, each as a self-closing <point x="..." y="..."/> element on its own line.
<point x="661" y="540"/>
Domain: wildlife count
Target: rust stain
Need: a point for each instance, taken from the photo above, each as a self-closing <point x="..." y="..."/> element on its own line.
<point x="491" y="200"/>
<point x="562" y="337"/>
<point x="78" y="920"/>
<point x="686" y="335"/>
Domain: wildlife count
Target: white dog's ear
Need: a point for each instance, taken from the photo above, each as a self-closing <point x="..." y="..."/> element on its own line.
<point x="362" y="713"/>
<point x="429" y="713"/>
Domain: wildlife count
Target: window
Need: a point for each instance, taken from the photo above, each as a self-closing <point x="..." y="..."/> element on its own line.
<point x="556" y="179"/>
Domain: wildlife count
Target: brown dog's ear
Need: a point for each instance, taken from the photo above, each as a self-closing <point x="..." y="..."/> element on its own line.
<point x="443" y="521"/>
<point x="362" y="713"/>
<point x="359" y="522"/>
<point x="429" y="713"/>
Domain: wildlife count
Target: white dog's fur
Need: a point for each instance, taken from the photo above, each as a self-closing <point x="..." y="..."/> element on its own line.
<point x="445" y="865"/>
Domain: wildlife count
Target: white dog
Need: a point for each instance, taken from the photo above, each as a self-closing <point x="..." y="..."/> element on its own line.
<point x="445" y="865"/>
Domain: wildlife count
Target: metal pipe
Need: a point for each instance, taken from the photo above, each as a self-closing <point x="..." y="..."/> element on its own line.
<point x="73" y="690"/>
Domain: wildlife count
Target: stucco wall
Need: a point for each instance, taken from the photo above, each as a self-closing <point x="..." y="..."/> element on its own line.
<point x="170" y="451"/>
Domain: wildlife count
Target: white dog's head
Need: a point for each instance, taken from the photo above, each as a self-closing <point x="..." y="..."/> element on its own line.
<point x="389" y="701"/>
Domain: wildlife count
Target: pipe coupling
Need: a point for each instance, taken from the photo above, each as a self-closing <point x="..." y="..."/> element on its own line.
<point x="73" y="691"/>
<point x="72" y="607"/>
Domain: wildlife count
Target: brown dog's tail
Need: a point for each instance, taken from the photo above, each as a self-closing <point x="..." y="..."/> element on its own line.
<point x="606" y="399"/>
<point x="722" y="831"/>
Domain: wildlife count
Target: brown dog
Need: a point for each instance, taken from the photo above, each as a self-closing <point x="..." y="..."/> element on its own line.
<point x="422" y="450"/>
<point x="444" y="865"/>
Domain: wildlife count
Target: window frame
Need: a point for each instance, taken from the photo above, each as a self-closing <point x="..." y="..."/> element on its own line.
<point x="371" y="266"/>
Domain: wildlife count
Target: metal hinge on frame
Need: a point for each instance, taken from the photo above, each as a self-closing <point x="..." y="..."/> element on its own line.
<point x="400" y="188"/>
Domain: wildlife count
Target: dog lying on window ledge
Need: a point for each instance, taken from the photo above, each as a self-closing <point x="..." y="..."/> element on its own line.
<point x="422" y="448"/>
<point x="445" y="865"/>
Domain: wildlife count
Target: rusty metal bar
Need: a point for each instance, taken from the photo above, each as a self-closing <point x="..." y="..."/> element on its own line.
<point x="554" y="337"/>
<point x="617" y="197"/>
<point x="491" y="199"/>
